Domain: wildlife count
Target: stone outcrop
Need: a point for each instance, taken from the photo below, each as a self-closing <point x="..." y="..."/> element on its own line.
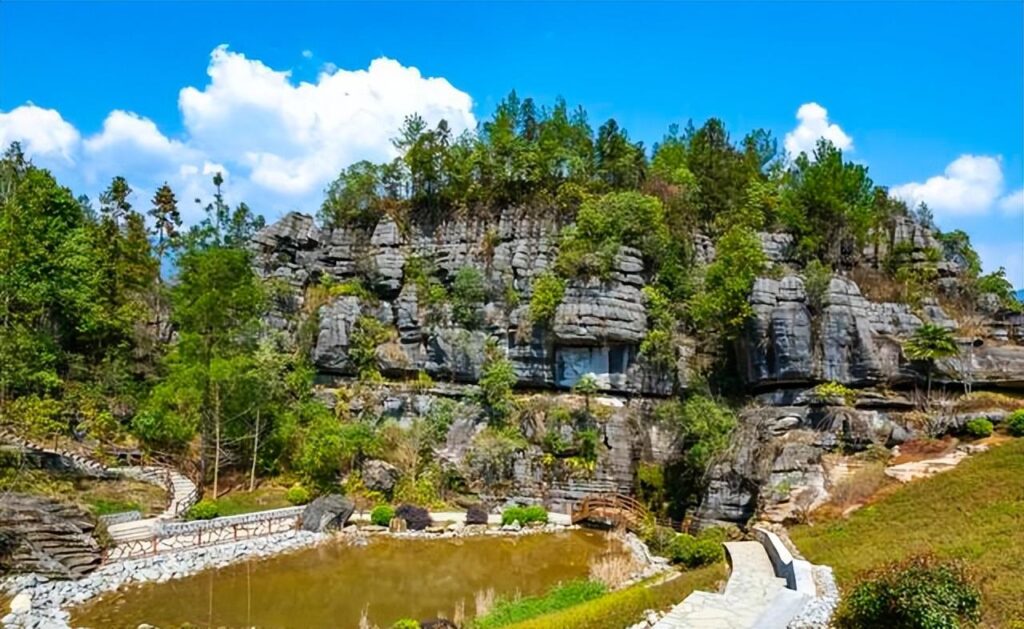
<point x="596" y="329"/>
<point x="326" y="513"/>
<point x="380" y="476"/>
<point x="47" y="537"/>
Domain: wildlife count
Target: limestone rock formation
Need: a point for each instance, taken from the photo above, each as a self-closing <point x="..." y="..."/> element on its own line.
<point x="48" y="537"/>
<point x="327" y="513"/>
<point x="380" y="476"/>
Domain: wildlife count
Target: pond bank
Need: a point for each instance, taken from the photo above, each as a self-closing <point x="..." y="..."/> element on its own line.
<point x="40" y="602"/>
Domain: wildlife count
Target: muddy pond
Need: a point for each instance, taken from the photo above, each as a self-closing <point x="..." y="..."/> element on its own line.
<point x="334" y="584"/>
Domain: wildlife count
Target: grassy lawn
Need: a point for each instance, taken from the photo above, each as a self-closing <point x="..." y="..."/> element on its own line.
<point x="974" y="512"/>
<point x="265" y="497"/>
<point x="625" y="607"/>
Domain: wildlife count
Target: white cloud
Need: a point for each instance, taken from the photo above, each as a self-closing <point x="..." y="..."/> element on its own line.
<point x="814" y="124"/>
<point x="42" y="132"/>
<point x="307" y="54"/>
<point x="280" y="141"/>
<point x="970" y="185"/>
<point x="1013" y="203"/>
<point x="1009" y="255"/>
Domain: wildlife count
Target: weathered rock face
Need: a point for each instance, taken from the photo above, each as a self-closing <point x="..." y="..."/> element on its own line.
<point x="853" y="341"/>
<point x="596" y="329"/>
<point x="327" y="513"/>
<point x="380" y="476"/>
<point x="47" y="537"/>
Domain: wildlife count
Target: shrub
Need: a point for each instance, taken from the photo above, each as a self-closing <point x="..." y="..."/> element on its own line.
<point x="827" y="391"/>
<point x="1015" y="423"/>
<point x="416" y="518"/>
<point x="694" y="552"/>
<point x="467" y="295"/>
<point x="978" y="427"/>
<point x="659" y="539"/>
<point x="406" y="623"/>
<point x="524" y="515"/>
<point x="476" y="515"/>
<point x="205" y="509"/>
<point x="297" y="495"/>
<point x="382" y="515"/>
<point x="548" y="291"/>
<point x="918" y="592"/>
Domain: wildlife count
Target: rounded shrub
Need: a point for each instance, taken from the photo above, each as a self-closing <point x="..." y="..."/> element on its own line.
<point x="476" y="515"/>
<point x="416" y="518"/>
<point x="406" y="623"/>
<point x="918" y="592"/>
<point x="1015" y="423"/>
<point x="382" y="515"/>
<point x="297" y="495"/>
<point x="205" y="509"/>
<point x="694" y="552"/>
<point x="978" y="427"/>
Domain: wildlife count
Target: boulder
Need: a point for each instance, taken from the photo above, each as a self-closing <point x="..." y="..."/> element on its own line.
<point x="380" y="476"/>
<point x="47" y="537"/>
<point x="327" y="513"/>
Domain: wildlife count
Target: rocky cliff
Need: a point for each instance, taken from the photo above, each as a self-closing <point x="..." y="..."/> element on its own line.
<point x="796" y="340"/>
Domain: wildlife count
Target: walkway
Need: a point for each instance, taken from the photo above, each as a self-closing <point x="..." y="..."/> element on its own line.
<point x="183" y="494"/>
<point x="460" y="517"/>
<point x="754" y="597"/>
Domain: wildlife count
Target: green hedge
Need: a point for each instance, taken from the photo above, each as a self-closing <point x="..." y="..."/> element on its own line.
<point x="524" y="515"/>
<point x="382" y="515"/>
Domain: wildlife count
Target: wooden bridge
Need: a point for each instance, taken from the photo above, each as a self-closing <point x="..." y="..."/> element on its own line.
<point x="611" y="511"/>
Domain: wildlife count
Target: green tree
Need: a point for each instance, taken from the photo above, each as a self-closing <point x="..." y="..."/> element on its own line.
<point x="828" y="204"/>
<point x="497" y="377"/>
<point x="166" y="218"/>
<point x="722" y="304"/>
<point x="928" y="344"/>
<point x="467" y="296"/>
<point x="354" y="198"/>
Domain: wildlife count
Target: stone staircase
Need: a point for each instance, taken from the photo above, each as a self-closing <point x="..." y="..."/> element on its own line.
<point x="755" y="597"/>
<point x="182" y="492"/>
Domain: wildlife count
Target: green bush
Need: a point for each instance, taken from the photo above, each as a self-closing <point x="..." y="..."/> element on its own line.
<point x="507" y="612"/>
<point x="524" y="515"/>
<point x="694" y="552"/>
<point x="382" y="515"/>
<point x="205" y="509"/>
<point x="1015" y="423"/>
<point x="406" y="623"/>
<point x="297" y="495"/>
<point x="467" y="295"/>
<point x="548" y="291"/>
<point x="659" y="539"/>
<point x="918" y="592"/>
<point x="978" y="427"/>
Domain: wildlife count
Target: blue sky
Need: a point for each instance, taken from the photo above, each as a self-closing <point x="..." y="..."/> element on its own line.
<point x="929" y="95"/>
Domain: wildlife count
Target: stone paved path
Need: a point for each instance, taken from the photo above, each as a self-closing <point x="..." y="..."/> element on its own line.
<point x="753" y="597"/>
<point x="183" y="496"/>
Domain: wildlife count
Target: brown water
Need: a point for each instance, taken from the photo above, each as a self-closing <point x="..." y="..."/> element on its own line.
<point x="331" y="584"/>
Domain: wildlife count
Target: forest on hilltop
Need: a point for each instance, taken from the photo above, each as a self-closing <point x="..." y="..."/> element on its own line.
<point x="92" y="337"/>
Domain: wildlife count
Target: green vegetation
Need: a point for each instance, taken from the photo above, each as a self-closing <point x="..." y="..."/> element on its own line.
<point x="263" y="498"/>
<point x="1015" y="423"/>
<point x="625" y="607"/>
<point x="100" y="497"/>
<point x="524" y="515"/>
<point x="703" y="550"/>
<point x="919" y="592"/>
<point x="467" y="297"/>
<point x="930" y="343"/>
<point x="978" y="427"/>
<point x="382" y="515"/>
<point x="297" y="495"/>
<point x="548" y="291"/>
<point x="496" y="381"/>
<point x="509" y="612"/>
<point x="828" y="391"/>
<point x="971" y="513"/>
<point x="205" y="509"/>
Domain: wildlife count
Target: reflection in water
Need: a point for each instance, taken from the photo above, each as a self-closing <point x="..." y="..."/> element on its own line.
<point x="331" y="585"/>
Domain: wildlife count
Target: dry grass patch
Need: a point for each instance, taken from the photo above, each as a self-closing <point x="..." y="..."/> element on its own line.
<point x="974" y="512"/>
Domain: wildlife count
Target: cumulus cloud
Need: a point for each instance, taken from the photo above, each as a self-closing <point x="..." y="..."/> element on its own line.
<point x="1013" y="203"/>
<point x="42" y="132"/>
<point x="814" y="124"/>
<point x="282" y="141"/>
<point x="970" y="185"/>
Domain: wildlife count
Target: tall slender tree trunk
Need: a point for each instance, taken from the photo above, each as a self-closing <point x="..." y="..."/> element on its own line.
<point x="216" y="441"/>
<point x="255" y="452"/>
<point x="928" y="389"/>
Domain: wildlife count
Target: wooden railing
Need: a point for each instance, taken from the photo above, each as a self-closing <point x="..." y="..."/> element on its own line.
<point x="612" y="510"/>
